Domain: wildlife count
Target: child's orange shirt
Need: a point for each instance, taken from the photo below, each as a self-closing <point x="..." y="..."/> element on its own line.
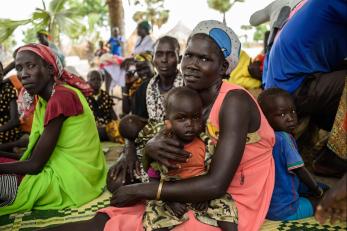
<point x="196" y="163"/>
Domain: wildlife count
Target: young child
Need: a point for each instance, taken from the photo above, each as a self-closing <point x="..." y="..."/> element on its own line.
<point x="184" y="122"/>
<point x="296" y="193"/>
<point x="101" y="104"/>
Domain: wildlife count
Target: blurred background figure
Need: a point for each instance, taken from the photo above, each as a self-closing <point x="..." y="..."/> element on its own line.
<point x="45" y="39"/>
<point x="144" y="42"/>
<point x="115" y="43"/>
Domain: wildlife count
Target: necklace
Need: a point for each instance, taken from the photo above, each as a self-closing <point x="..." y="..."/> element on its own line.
<point x="53" y="89"/>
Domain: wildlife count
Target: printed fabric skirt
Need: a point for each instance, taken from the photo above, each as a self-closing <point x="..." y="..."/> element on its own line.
<point x="9" y="184"/>
<point x="338" y="136"/>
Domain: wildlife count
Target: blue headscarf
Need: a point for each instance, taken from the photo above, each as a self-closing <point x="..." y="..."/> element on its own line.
<point x="224" y="37"/>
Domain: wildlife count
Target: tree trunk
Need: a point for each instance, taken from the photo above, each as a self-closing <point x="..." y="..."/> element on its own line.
<point x="116" y="14"/>
<point x="224" y="21"/>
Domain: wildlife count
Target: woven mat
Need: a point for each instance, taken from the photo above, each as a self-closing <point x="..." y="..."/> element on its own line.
<point x="37" y="219"/>
<point x="34" y="220"/>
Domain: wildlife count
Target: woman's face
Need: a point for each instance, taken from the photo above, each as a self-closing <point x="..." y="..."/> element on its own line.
<point x="165" y="59"/>
<point x="33" y="72"/>
<point x="202" y="64"/>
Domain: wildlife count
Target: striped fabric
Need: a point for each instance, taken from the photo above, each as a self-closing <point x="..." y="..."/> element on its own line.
<point x="8" y="189"/>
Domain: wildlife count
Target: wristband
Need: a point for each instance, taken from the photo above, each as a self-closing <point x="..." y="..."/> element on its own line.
<point x="160" y="187"/>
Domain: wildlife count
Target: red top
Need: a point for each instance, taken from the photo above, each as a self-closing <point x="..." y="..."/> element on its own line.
<point x="63" y="102"/>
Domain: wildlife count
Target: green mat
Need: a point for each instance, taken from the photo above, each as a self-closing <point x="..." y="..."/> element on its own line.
<point x="34" y="220"/>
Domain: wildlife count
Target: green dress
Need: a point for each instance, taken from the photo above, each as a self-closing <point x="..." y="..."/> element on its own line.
<point x="76" y="171"/>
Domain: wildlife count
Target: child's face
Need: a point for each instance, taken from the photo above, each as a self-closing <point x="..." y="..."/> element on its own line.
<point x="165" y="59"/>
<point x="282" y="115"/>
<point x="94" y="80"/>
<point x="185" y="117"/>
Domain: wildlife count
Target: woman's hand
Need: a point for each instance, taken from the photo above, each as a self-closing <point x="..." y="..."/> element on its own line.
<point x="126" y="164"/>
<point x="166" y="150"/>
<point x="126" y="196"/>
<point x="134" y="193"/>
<point x="131" y="163"/>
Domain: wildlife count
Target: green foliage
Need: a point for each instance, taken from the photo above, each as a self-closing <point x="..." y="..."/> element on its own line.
<point x="259" y="32"/>
<point x="246" y="27"/>
<point x="222" y="6"/>
<point x="7" y="27"/>
<point x="154" y="13"/>
<point x="61" y="16"/>
<point x="29" y="36"/>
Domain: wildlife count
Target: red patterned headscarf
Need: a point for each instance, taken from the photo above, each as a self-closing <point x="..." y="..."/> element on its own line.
<point x="60" y="74"/>
<point x="26" y="102"/>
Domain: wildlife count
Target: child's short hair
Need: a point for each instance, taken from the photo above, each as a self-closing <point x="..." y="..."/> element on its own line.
<point x="130" y="126"/>
<point x="268" y="95"/>
<point x="179" y="92"/>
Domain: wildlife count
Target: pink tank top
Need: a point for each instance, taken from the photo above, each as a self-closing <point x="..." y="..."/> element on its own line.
<point x="253" y="182"/>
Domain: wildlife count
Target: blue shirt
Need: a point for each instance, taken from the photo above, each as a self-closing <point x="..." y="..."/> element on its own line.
<point x="115" y="43"/>
<point x="285" y="197"/>
<point x="312" y="41"/>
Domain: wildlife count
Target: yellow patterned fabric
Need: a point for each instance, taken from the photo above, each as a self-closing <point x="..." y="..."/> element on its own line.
<point x="252" y="137"/>
<point x="338" y="136"/>
<point x="112" y="130"/>
<point x="144" y="56"/>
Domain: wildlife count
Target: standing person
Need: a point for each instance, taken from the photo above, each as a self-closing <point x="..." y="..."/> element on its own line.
<point x="63" y="140"/>
<point x="307" y="60"/>
<point x="242" y="163"/>
<point x="43" y="38"/>
<point x="116" y="42"/>
<point x="296" y="192"/>
<point x="144" y="41"/>
<point x="9" y="118"/>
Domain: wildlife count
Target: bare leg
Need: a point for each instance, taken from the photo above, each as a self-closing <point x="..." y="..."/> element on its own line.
<point x="227" y="226"/>
<point x="97" y="223"/>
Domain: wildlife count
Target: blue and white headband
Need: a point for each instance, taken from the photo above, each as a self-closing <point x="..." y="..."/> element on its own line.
<point x="224" y="37"/>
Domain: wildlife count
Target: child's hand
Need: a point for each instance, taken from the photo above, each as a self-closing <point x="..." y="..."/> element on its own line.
<point x="201" y="206"/>
<point x="178" y="209"/>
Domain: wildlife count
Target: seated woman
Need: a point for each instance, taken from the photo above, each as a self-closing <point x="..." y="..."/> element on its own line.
<point x="242" y="164"/>
<point x="9" y="119"/>
<point x="63" y="141"/>
<point x="13" y="148"/>
<point x="101" y="103"/>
